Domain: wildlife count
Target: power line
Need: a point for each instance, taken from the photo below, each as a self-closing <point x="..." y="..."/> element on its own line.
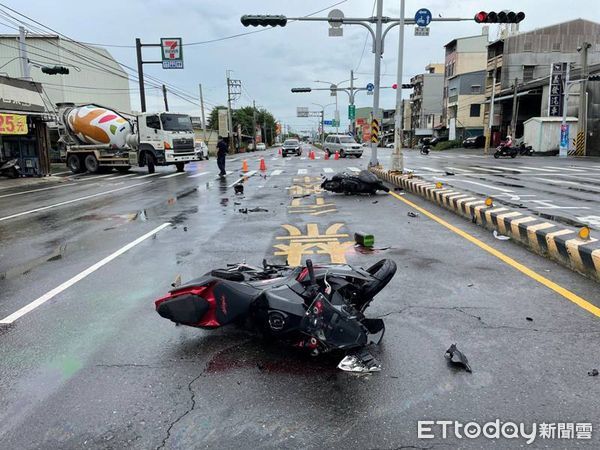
<point x="366" y="39"/>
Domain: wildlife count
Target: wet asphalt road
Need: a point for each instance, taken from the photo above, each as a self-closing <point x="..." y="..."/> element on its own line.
<point x="96" y="367"/>
<point x="565" y="190"/>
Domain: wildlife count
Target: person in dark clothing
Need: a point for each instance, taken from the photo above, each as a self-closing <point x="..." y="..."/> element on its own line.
<point x="221" y="153"/>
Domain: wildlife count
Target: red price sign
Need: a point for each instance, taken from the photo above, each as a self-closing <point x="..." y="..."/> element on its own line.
<point x="13" y="124"/>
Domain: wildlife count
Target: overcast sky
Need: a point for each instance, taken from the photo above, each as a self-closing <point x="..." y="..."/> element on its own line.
<point x="271" y="62"/>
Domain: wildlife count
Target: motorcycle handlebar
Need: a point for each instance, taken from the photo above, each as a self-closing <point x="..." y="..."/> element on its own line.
<point x="311" y="272"/>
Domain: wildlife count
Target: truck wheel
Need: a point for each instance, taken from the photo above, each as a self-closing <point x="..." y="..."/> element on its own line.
<point x="150" y="163"/>
<point x="74" y="164"/>
<point x="91" y="164"/>
<point x="180" y="166"/>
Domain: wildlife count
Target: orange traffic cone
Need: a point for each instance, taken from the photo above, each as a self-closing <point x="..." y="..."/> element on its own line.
<point x="262" y="166"/>
<point x="326" y="155"/>
<point x="337" y="155"/>
<point x="311" y="155"/>
<point x="244" y="166"/>
<point x="279" y="152"/>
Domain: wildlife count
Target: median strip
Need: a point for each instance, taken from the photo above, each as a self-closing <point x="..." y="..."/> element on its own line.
<point x="541" y="236"/>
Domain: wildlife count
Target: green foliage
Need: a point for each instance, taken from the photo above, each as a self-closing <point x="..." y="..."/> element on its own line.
<point x="445" y="145"/>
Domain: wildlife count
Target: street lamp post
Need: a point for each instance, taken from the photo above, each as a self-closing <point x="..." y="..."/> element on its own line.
<point x="322" y="120"/>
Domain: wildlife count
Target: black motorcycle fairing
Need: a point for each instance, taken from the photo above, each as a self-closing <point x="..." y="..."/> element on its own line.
<point x="233" y="300"/>
<point x="187" y="309"/>
<point x="368" y="177"/>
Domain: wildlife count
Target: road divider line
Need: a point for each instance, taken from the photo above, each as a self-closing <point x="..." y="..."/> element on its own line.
<point x="41" y="189"/>
<point x="80" y="276"/>
<point x="227" y="172"/>
<point x="176" y="174"/>
<point x="565" y="168"/>
<point x="354" y="169"/>
<point x="55" y="205"/>
<point x="302" y="171"/>
<point x="276" y="172"/>
<point x="247" y="175"/>
<point x="199" y="174"/>
<point x="328" y="170"/>
<point x="61" y="173"/>
<point x="579" y="301"/>
<point x="476" y="183"/>
<point x="150" y="175"/>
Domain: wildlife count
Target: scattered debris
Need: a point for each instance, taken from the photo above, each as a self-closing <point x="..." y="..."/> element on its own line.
<point x="257" y="209"/>
<point x="413" y="214"/>
<point x="457" y="358"/>
<point x="530" y="319"/>
<point x="593" y="373"/>
<point x="375" y="201"/>
<point x="364" y="239"/>
<point x="470" y="285"/>
<point x="369" y="250"/>
<point x="398" y="189"/>
<point x="500" y="237"/>
<point x="184" y="228"/>
<point x="177" y="281"/>
<point x="243" y="210"/>
<point x="363" y="362"/>
<point x="238" y="189"/>
<point x="237" y="203"/>
<point x="449" y="173"/>
<point x="301" y="196"/>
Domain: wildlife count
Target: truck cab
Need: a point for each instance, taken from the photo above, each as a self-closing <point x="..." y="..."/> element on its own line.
<point x="164" y="139"/>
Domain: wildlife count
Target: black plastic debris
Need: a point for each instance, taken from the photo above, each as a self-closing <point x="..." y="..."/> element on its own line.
<point x="258" y="209"/>
<point x="364" y="239"/>
<point x="243" y="210"/>
<point x="529" y="319"/>
<point x="184" y="228"/>
<point x="376" y="201"/>
<point x="457" y="358"/>
<point x="470" y="285"/>
<point x="398" y="189"/>
<point x="413" y="214"/>
<point x="593" y="373"/>
<point x="238" y="189"/>
<point x="449" y="173"/>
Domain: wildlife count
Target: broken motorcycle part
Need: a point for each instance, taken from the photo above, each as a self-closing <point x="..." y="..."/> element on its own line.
<point x="457" y="358"/>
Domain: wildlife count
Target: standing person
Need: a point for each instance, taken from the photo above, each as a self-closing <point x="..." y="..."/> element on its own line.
<point x="221" y="152"/>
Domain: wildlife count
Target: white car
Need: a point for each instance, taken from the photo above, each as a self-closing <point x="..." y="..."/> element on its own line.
<point x="261" y="146"/>
<point x="201" y="150"/>
<point x="390" y="145"/>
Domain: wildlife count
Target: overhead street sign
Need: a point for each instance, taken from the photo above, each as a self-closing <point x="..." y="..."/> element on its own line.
<point x="423" y="17"/>
<point x="172" y="53"/>
<point x="370" y="88"/>
<point x="351" y="112"/>
<point x="302" y="111"/>
<point x="328" y="122"/>
<point x="421" y="31"/>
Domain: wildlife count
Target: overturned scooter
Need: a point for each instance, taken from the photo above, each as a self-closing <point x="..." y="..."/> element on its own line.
<point x="10" y="168"/>
<point x="318" y="309"/>
<point x="350" y="183"/>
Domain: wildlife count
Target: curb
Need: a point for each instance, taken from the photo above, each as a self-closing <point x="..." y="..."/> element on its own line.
<point x="548" y="239"/>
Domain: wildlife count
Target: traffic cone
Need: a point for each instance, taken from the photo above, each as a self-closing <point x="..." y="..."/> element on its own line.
<point x="262" y="166"/>
<point x="337" y="155"/>
<point x="326" y="155"/>
<point x="244" y="166"/>
<point x="311" y="155"/>
<point x="279" y="152"/>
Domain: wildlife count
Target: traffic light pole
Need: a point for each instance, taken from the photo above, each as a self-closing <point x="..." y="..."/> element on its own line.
<point x="397" y="157"/>
<point x="140" y="67"/>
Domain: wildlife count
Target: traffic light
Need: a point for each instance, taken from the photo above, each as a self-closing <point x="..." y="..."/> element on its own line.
<point x="55" y="70"/>
<point x="297" y="90"/>
<point x="263" y="21"/>
<point x="595" y="77"/>
<point x="404" y="86"/>
<point x="501" y="17"/>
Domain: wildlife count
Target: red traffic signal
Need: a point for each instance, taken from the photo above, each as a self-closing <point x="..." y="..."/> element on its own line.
<point x="395" y="86"/>
<point x="501" y="17"/>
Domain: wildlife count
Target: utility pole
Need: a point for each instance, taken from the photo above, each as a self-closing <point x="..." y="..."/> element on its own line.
<point x="377" y="76"/>
<point x="563" y="151"/>
<point x="140" y="65"/>
<point x="234" y="89"/>
<point x="23" y="54"/>
<point x="254" y="124"/>
<point x="488" y="137"/>
<point x="513" y="121"/>
<point x="582" y="93"/>
<point x="351" y="101"/>
<point x="202" y="111"/>
<point x="164" y="89"/>
<point x="397" y="157"/>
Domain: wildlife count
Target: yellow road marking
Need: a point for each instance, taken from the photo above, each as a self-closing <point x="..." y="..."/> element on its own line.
<point x="579" y="301"/>
<point x="318" y="213"/>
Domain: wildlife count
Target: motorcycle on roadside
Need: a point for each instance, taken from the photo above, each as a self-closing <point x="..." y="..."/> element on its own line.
<point x="10" y="168"/>
<point x="364" y="182"/>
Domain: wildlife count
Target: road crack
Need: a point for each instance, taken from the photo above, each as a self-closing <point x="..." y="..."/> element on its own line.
<point x="193" y="393"/>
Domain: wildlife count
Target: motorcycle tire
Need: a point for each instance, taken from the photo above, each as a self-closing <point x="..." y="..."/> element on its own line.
<point x="383" y="188"/>
<point x="513" y="155"/>
<point x="382" y="271"/>
<point x="496" y="155"/>
<point x="332" y="186"/>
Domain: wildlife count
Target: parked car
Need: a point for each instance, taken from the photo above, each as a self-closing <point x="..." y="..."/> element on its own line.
<point x="291" y="146"/>
<point x="435" y="140"/>
<point x="201" y="149"/>
<point x="474" y="142"/>
<point x="343" y="144"/>
<point x="261" y="146"/>
<point x="389" y="145"/>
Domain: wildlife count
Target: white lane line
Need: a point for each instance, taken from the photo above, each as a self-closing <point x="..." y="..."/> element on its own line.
<point x="199" y="174"/>
<point x="538" y="168"/>
<point x="514" y="169"/>
<point x="227" y="172"/>
<point x="276" y="172"/>
<point x="80" y="276"/>
<point x="93" y="177"/>
<point x="328" y="170"/>
<point x="431" y="169"/>
<point x="150" y="175"/>
<point x="565" y="168"/>
<point x="43" y="208"/>
<point x="61" y="173"/>
<point x="456" y="169"/>
<point x="302" y="171"/>
<point x="247" y="175"/>
<point x="354" y="169"/>
<point x="484" y="185"/>
<point x="122" y="176"/>
<point x="551" y="181"/>
<point x="303" y="157"/>
<point x="42" y="189"/>
<point x="487" y="170"/>
<point x="176" y="174"/>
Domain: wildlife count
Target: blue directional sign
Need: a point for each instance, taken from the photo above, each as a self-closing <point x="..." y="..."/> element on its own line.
<point x="370" y="87"/>
<point x="423" y="17"/>
<point x="328" y="122"/>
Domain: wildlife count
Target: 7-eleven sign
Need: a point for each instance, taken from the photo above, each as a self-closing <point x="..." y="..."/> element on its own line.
<point x="172" y="53"/>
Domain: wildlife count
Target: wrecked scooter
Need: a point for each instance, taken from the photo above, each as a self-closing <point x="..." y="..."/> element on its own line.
<point x="10" y="168"/>
<point x="364" y="182"/>
<point x="318" y="308"/>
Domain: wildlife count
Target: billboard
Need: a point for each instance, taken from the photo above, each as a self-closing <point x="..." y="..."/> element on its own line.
<point x="172" y="53"/>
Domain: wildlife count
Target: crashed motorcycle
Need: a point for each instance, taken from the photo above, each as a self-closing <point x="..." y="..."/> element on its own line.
<point x="318" y="309"/>
<point x="10" y="168"/>
<point x="364" y="182"/>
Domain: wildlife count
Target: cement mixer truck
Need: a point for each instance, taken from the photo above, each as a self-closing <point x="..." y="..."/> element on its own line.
<point x="98" y="139"/>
